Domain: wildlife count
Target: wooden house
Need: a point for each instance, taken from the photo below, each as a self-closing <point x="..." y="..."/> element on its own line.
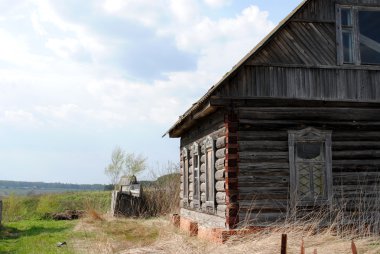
<point x="295" y="124"/>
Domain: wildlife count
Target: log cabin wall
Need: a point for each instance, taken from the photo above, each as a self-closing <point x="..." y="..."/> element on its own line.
<point x="213" y="127"/>
<point x="264" y="157"/>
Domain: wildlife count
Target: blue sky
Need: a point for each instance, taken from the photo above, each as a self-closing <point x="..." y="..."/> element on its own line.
<point x="78" y="79"/>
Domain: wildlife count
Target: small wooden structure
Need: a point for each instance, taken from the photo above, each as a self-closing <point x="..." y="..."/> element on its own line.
<point x="127" y="200"/>
<point x="294" y="125"/>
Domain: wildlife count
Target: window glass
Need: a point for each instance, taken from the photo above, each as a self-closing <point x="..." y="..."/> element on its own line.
<point x="369" y="37"/>
<point x="307" y="150"/>
<point x="346" y="17"/>
<point x="347" y="46"/>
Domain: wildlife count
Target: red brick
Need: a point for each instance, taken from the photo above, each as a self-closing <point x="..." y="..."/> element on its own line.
<point x="188" y="226"/>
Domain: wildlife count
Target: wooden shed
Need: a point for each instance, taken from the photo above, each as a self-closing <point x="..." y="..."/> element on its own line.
<point x="295" y="124"/>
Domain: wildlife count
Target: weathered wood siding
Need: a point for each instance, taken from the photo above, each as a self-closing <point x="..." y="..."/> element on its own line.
<point x="214" y="127"/>
<point x="264" y="157"/>
<point x="305" y="83"/>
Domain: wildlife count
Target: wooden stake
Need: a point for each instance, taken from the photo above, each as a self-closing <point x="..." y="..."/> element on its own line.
<point x="353" y="247"/>
<point x="302" y="247"/>
<point x="284" y="239"/>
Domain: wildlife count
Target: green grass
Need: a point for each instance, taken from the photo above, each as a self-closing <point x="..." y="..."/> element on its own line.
<point x="17" y="208"/>
<point x="36" y="236"/>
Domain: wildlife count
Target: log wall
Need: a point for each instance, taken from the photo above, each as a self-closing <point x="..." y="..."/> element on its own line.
<point x="264" y="158"/>
<point x="213" y="127"/>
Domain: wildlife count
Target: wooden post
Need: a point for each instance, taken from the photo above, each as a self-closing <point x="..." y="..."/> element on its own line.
<point x="284" y="239"/>
<point x="353" y="247"/>
<point x="315" y="251"/>
<point x="302" y="247"/>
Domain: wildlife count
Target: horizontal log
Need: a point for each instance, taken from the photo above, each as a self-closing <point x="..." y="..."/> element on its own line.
<point x="356" y="135"/>
<point x="262" y="165"/>
<point x="219" y="164"/>
<point x="260" y="219"/>
<point x="263" y="135"/>
<point x="220" y="186"/>
<point x="221" y="142"/>
<point x="263" y="190"/>
<point x="264" y="204"/>
<point x="203" y="187"/>
<point x="269" y="156"/>
<point x="323" y="114"/>
<point x="273" y="146"/>
<point x="220" y="197"/>
<point x="264" y="172"/>
<point x="203" y="178"/>
<point x="356" y="162"/>
<point x="203" y="197"/>
<point x="203" y="168"/>
<point x="220" y="153"/>
<point x="354" y="154"/>
<point x="221" y="208"/>
<point x="203" y="158"/>
<point x="219" y="175"/>
<point x="355" y="145"/>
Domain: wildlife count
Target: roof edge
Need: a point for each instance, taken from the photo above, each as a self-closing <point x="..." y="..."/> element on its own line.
<point x="261" y="44"/>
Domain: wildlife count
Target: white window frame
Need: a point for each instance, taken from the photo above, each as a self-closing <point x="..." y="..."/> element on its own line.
<point x="310" y="135"/>
<point x="210" y="174"/>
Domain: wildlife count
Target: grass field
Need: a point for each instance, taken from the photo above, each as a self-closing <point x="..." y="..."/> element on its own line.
<point x="36" y="236"/>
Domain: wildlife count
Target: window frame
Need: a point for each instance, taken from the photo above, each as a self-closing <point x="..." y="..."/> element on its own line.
<point x="209" y="144"/>
<point x="185" y="160"/>
<point x="354" y="28"/>
<point x="311" y="135"/>
<point x="196" y="181"/>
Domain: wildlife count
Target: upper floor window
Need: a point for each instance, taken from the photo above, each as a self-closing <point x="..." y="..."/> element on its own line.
<point x="358" y="35"/>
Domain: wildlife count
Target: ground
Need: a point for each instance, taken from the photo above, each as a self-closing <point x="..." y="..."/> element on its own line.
<point x="101" y="234"/>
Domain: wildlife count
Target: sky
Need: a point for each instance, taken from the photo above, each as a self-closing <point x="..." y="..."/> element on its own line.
<point x="78" y="78"/>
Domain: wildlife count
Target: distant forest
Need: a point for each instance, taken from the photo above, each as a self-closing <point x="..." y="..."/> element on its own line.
<point x="16" y="185"/>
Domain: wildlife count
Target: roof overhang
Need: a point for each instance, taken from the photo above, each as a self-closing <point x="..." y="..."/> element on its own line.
<point x="216" y="102"/>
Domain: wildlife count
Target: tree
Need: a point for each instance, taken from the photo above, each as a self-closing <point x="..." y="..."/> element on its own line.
<point x="134" y="164"/>
<point x="115" y="168"/>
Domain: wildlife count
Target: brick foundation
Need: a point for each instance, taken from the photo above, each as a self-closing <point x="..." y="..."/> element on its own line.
<point x="188" y="226"/>
<point x="215" y="235"/>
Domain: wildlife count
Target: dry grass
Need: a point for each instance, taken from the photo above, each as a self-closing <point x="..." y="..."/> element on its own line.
<point x="132" y="236"/>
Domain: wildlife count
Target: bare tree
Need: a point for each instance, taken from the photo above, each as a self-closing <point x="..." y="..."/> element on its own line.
<point x="134" y="164"/>
<point x="115" y="168"/>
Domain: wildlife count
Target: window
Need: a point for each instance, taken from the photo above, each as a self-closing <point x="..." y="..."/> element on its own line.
<point x="210" y="174"/>
<point x="185" y="162"/>
<point x="358" y="35"/>
<point x="196" y="174"/>
<point x="310" y="167"/>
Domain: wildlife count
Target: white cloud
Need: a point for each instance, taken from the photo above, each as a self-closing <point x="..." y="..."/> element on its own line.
<point x="63" y="91"/>
<point x="217" y="3"/>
